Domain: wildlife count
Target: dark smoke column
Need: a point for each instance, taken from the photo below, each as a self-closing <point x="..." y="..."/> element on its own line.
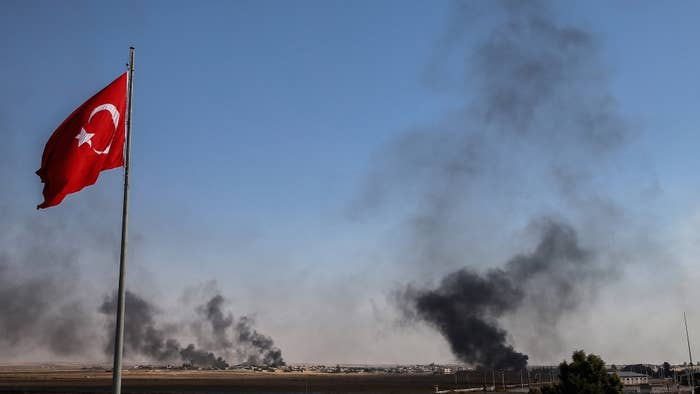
<point x="464" y="307"/>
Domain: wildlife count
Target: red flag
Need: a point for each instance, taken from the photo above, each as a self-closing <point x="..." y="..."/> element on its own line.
<point x="90" y="140"/>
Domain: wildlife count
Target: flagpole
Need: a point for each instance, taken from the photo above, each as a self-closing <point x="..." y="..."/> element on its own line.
<point x="119" y="336"/>
<point x="691" y="383"/>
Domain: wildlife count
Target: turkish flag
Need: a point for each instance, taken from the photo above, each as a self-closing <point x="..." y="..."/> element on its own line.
<point x="90" y="140"/>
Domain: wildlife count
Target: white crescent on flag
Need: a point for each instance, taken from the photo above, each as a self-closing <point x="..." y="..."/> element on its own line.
<point x="115" y="119"/>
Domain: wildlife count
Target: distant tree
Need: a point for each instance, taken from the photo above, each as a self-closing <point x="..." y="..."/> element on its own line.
<point x="667" y="369"/>
<point x="586" y="374"/>
<point x="613" y="367"/>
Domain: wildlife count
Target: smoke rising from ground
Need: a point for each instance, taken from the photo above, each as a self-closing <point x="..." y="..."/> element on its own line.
<point x="141" y="335"/>
<point x="537" y="127"/>
<point x="465" y="305"/>
<point x="237" y="339"/>
<point x="220" y="322"/>
<point x="41" y="308"/>
<point x="219" y="341"/>
<point x="256" y="348"/>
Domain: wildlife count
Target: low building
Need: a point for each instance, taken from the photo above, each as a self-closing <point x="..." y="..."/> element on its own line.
<point x="632" y="378"/>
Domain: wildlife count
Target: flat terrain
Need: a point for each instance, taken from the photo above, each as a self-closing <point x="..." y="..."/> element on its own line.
<point x="44" y="379"/>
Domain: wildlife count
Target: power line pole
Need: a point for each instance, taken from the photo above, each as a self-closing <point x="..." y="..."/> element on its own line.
<point x="690" y="355"/>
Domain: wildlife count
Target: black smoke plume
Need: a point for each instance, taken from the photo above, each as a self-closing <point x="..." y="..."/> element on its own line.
<point x="220" y="322"/>
<point x="236" y="339"/>
<point x="258" y="348"/>
<point x="141" y="335"/>
<point x="218" y="339"/>
<point x="466" y="305"/>
<point x="201" y="358"/>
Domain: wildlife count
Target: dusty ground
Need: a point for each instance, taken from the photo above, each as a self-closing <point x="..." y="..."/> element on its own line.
<point x="74" y="380"/>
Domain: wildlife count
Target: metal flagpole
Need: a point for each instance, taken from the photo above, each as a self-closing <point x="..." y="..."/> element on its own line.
<point x="119" y="336"/>
<point x="690" y="355"/>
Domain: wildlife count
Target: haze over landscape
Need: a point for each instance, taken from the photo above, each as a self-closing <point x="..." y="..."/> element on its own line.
<point x="489" y="183"/>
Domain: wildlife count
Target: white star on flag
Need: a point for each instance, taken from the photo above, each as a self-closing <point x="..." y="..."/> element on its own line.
<point x="84" y="137"/>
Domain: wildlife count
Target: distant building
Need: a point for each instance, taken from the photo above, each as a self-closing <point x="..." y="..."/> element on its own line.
<point x="631" y="378"/>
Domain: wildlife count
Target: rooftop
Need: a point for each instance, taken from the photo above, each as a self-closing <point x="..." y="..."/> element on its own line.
<point x="625" y="374"/>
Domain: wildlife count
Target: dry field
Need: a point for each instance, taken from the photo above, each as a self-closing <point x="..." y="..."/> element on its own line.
<point x="74" y="380"/>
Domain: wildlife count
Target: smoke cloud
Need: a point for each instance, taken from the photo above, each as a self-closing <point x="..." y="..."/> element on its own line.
<point x="141" y="336"/>
<point x="219" y="341"/>
<point x="256" y="348"/>
<point x="220" y="323"/>
<point x="44" y="314"/>
<point x="40" y="309"/>
<point x="465" y="305"/>
<point x="537" y="128"/>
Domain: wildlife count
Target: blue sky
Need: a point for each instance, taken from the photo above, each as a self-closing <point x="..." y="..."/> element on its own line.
<point x="257" y="122"/>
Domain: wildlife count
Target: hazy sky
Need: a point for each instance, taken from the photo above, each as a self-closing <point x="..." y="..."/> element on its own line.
<point x="257" y="123"/>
